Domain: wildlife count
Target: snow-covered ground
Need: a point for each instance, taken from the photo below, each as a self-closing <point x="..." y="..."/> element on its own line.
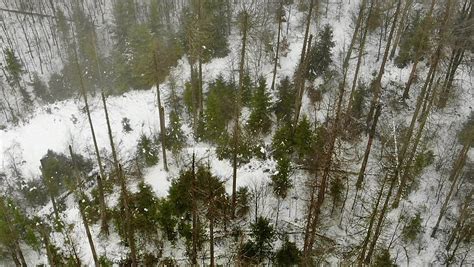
<point x="64" y="123"/>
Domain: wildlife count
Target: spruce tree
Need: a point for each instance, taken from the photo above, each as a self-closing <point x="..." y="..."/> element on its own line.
<point x="284" y="106"/>
<point x="260" y="121"/>
<point x="320" y="54"/>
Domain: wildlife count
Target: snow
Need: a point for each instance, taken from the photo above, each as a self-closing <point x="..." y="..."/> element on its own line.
<point x="58" y="125"/>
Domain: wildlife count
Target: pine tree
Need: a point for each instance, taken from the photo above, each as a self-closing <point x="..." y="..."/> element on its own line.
<point x="14" y="70"/>
<point x="320" y="54"/>
<point x="259" y="121"/>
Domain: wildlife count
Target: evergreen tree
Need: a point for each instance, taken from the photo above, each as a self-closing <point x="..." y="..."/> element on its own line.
<point x="40" y="89"/>
<point x="175" y="139"/>
<point x="14" y="71"/>
<point x="15" y="227"/>
<point x="288" y="254"/>
<point x="247" y="90"/>
<point x="147" y="150"/>
<point x="284" y="106"/>
<point x="259" y="248"/>
<point x="320" y="54"/>
<point x="414" y="41"/>
<point x="303" y="138"/>
<point x="220" y="100"/>
<point x="259" y="121"/>
<point x="281" y="181"/>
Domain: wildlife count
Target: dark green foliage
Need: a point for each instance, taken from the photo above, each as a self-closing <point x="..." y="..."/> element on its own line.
<point x="259" y="121"/>
<point x="144" y="205"/>
<point x="40" y="89"/>
<point x="244" y="197"/>
<point x="246" y="90"/>
<point x="359" y="102"/>
<point x="141" y="58"/>
<point x="13" y="67"/>
<point x="219" y="109"/>
<point x="414" y="40"/>
<point x="422" y="160"/>
<point x="34" y="192"/>
<point x="383" y="259"/>
<point x="86" y="41"/>
<point x="260" y="246"/>
<point x="413" y="228"/>
<point x="245" y="147"/>
<point x="147" y="150"/>
<point x="282" y="143"/>
<point x="466" y="135"/>
<point x="320" y="54"/>
<point x="208" y="193"/>
<point x="288" y="255"/>
<point x="126" y="125"/>
<point x="205" y="36"/>
<point x="59" y="171"/>
<point x="281" y="181"/>
<point x="15" y="226"/>
<point x="336" y="189"/>
<point x="14" y="71"/>
<point x="284" y="106"/>
<point x="60" y="86"/>
<point x="175" y="138"/>
<point x="105" y="262"/>
<point x="303" y="138"/>
<point x="167" y="219"/>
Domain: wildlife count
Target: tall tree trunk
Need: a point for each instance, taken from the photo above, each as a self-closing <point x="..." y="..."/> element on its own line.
<point x="381" y="218"/>
<point x="245" y="26"/>
<point x="401" y="27"/>
<point x="431" y="73"/>
<point x="455" y="173"/>
<point x="162" y="127"/>
<point x="299" y="79"/>
<point x="194" y="215"/>
<point x="111" y="139"/>
<point x="418" y="51"/>
<point x="80" y="204"/>
<point x="102" y="207"/>
<point x="211" y="241"/>
<point x="275" y="64"/>
<point x="363" y="166"/>
<point x="377" y="85"/>
<point x="371" y="223"/>
<point x="128" y="219"/>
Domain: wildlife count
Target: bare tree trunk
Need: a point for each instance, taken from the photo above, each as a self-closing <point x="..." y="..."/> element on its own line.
<point x="275" y="64"/>
<point x="299" y="79"/>
<point x="245" y="27"/>
<point x="401" y="27"/>
<point x="371" y="222"/>
<point x="455" y="173"/>
<point x="81" y="206"/>
<point x="211" y="240"/>
<point x="377" y="86"/>
<point x="162" y="127"/>
<point x="111" y="139"/>
<point x="102" y="207"/>
<point x="360" y="178"/>
<point x="420" y="99"/>
<point x="417" y="54"/>
<point x="378" y="228"/>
